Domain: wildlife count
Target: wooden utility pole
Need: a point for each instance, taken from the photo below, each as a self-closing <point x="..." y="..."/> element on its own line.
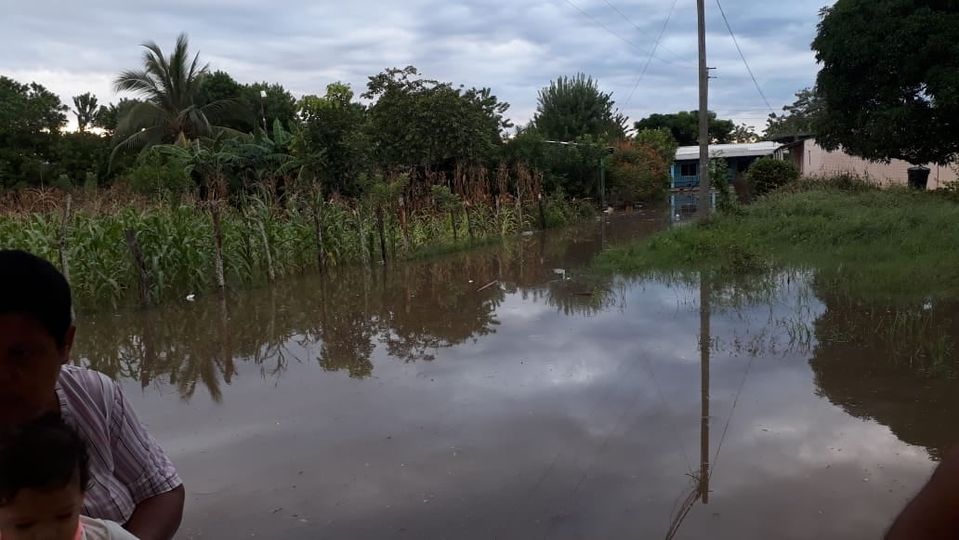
<point x="704" y="197"/>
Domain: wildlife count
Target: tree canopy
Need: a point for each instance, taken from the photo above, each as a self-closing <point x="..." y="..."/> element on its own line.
<point x="574" y="107"/>
<point x="890" y="79"/>
<point x="85" y="109"/>
<point x="30" y="119"/>
<point x="334" y="124"/>
<point x="169" y="87"/>
<point x="684" y="126"/>
<point x="418" y="122"/>
<point x="797" y="119"/>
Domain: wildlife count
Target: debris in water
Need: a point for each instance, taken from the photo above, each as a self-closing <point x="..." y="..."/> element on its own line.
<point x="488" y="285"/>
<point x="190" y="297"/>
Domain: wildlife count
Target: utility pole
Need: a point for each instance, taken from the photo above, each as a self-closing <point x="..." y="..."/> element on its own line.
<point x="704" y="195"/>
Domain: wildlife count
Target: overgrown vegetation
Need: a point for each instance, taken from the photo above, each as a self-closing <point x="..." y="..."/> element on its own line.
<point x="871" y="242"/>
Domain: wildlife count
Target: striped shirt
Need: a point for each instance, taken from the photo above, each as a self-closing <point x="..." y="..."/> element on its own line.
<point x="127" y="466"/>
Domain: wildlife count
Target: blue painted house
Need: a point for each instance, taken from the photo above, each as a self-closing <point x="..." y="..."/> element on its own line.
<point x="685" y="170"/>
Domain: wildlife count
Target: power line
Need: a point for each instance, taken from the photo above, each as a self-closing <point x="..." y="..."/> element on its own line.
<point x="604" y="26"/>
<point x="652" y="51"/>
<point x="741" y="55"/>
<point x="638" y="28"/>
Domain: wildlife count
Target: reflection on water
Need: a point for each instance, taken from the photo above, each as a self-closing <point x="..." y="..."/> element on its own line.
<point x="509" y="393"/>
<point x="413" y="310"/>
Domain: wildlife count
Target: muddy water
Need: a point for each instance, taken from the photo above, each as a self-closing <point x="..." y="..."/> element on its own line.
<point x="505" y="393"/>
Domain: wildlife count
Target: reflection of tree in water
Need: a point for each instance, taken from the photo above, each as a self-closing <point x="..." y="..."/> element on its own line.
<point x="893" y="364"/>
<point x="412" y="309"/>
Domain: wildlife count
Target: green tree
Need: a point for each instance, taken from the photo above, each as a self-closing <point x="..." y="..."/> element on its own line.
<point x="108" y="116"/>
<point x="169" y="87"/>
<point x="743" y="134"/>
<point x="574" y="107"/>
<point x="890" y="79"/>
<point x="85" y="109"/>
<point x="269" y="103"/>
<point x="684" y="126"/>
<point x="661" y="140"/>
<point x="332" y="125"/>
<point x="798" y="119"/>
<point x="423" y="123"/>
<point x="30" y="121"/>
<point x="77" y="154"/>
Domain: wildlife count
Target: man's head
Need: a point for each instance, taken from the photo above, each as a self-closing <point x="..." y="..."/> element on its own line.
<point x="36" y="334"/>
<point x="43" y="476"/>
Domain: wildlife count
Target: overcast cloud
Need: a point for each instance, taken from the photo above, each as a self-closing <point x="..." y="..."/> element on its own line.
<point x="512" y="46"/>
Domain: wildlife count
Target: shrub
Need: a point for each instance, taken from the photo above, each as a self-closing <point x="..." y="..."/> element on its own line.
<point x="637" y="173"/>
<point x="155" y="175"/>
<point x="769" y="174"/>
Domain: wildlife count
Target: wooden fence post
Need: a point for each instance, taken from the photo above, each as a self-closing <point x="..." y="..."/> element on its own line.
<point x="64" y="230"/>
<point x="143" y="277"/>
<point x="218" y="246"/>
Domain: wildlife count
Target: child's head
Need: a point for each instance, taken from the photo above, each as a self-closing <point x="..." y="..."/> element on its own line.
<point x="43" y="476"/>
<point x="36" y="333"/>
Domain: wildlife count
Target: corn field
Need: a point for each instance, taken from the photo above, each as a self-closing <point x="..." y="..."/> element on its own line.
<point x="150" y="251"/>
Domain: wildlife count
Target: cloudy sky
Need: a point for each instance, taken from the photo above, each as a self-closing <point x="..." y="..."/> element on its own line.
<point x="513" y="46"/>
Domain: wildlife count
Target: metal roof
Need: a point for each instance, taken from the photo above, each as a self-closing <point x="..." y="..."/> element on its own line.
<point x="763" y="148"/>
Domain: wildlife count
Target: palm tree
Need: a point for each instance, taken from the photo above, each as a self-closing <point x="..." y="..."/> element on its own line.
<point x="169" y="112"/>
<point x="85" y="108"/>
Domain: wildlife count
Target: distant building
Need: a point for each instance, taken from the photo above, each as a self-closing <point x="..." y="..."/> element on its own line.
<point x="812" y="160"/>
<point x="685" y="170"/>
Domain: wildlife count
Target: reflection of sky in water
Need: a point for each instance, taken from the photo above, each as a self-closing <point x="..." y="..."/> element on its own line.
<point x="554" y="426"/>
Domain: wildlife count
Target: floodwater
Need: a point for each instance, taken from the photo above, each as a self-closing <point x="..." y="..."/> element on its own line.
<point x="505" y="393"/>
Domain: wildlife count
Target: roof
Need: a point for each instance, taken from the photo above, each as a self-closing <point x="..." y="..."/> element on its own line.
<point x="763" y="148"/>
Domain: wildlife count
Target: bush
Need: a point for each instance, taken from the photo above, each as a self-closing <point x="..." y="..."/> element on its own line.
<point x="769" y="174"/>
<point x="637" y="173"/>
<point x="155" y="175"/>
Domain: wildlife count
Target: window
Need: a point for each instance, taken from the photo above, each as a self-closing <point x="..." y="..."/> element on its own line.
<point x="689" y="169"/>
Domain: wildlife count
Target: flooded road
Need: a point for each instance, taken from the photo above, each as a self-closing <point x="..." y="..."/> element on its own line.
<point x="506" y="393"/>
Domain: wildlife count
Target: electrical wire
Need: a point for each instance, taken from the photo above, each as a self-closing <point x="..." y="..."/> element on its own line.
<point x="743" y="56"/>
<point x="652" y="52"/>
<point x="639" y="29"/>
<point x="604" y="26"/>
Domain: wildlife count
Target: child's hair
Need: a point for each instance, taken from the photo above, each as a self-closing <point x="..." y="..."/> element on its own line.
<point x="32" y="286"/>
<point x="45" y="454"/>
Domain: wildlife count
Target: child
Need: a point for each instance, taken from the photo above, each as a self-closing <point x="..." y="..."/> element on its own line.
<point x="133" y="480"/>
<point x="44" y="473"/>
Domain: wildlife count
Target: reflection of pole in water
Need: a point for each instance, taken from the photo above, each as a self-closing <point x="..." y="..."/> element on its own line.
<point x="602" y="232"/>
<point x="704" y="344"/>
<point x="701" y="489"/>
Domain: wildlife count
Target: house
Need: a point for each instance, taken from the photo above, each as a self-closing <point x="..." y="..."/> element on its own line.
<point x="813" y="160"/>
<point x="685" y="170"/>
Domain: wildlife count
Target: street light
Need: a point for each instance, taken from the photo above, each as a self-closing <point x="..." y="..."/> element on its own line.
<point x="263" y="109"/>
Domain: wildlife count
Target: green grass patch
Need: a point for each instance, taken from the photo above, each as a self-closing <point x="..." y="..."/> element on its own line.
<point x="867" y="242"/>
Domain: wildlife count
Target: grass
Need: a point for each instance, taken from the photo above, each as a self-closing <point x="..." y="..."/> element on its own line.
<point x="868" y="242"/>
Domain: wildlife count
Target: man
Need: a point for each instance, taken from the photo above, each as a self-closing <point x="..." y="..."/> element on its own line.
<point x="133" y="482"/>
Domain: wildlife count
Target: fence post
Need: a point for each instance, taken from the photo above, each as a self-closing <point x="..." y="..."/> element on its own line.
<point x="218" y="246"/>
<point x="143" y="278"/>
<point x="64" y="230"/>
